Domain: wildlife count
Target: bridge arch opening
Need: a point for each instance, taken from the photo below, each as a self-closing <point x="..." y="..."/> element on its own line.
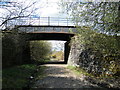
<point x="58" y="54"/>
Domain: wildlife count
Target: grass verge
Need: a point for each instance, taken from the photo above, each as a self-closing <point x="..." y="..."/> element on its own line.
<point x="79" y="71"/>
<point x="102" y="81"/>
<point x="17" y="77"/>
<point x="40" y="74"/>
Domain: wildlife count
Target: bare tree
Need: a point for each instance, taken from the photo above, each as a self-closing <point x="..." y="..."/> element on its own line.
<point x="11" y="10"/>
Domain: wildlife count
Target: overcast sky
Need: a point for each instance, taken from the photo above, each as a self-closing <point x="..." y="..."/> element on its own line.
<point x="46" y="8"/>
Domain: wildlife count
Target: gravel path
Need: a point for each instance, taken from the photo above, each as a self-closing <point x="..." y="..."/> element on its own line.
<point x="58" y="76"/>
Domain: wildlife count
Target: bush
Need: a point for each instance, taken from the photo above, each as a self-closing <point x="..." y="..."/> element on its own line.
<point x="100" y="52"/>
<point x="40" y="50"/>
<point x="14" y="49"/>
<point x="54" y="56"/>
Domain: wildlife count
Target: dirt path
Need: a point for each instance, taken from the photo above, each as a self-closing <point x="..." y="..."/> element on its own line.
<point x="58" y="76"/>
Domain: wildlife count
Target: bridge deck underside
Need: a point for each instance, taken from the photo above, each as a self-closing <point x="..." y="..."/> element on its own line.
<point x="50" y="36"/>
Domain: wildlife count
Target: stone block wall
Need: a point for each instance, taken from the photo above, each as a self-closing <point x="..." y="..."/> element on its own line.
<point x="91" y="60"/>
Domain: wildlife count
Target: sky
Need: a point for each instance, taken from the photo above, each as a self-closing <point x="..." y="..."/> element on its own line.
<point x="50" y="8"/>
<point x="46" y="8"/>
<point x="57" y="45"/>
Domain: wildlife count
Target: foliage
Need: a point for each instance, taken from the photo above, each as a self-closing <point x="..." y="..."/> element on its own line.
<point x="104" y="47"/>
<point x="108" y="81"/>
<point x="40" y="50"/>
<point x="13" y="47"/>
<point x="79" y="71"/>
<point x="96" y="49"/>
<point x="102" y="16"/>
<point x="59" y="55"/>
<point x="40" y="74"/>
<point x="105" y="43"/>
<point x="17" y="77"/>
<point x="53" y="56"/>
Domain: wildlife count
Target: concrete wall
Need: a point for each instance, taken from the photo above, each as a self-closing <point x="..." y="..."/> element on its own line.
<point x="66" y="51"/>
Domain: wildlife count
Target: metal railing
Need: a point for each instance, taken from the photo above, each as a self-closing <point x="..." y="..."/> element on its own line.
<point x="55" y="21"/>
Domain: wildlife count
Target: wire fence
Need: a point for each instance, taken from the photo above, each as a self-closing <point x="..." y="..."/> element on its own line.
<point x="55" y="21"/>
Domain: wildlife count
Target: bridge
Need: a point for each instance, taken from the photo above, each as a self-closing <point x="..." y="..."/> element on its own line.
<point x="46" y="28"/>
<point x="52" y="28"/>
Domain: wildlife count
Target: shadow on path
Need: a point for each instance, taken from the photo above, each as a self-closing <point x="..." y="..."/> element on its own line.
<point x="58" y="76"/>
<point x="53" y="62"/>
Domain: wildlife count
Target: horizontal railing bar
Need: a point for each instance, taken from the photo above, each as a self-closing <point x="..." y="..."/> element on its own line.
<point x="45" y="26"/>
<point x="40" y="21"/>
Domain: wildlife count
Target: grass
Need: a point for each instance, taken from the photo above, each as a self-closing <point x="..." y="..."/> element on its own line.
<point x="79" y="71"/>
<point x="43" y="60"/>
<point x="17" y="77"/>
<point x="47" y="60"/>
<point x="40" y="73"/>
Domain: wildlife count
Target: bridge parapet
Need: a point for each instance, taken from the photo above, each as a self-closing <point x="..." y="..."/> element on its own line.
<point x="43" y="28"/>
<point x="33" y="20"/>
<point x="42" y="24"/>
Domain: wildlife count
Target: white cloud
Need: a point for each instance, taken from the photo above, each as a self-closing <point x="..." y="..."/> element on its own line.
<point x="48" y="8"/>
<point x="49" y="11"/>
<point x="57" y="45"/>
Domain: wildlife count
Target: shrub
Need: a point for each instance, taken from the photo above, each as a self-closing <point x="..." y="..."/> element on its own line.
<point x="13" y="47"/>
<point x="40" y="50"/>
<point x="100" y="52"/>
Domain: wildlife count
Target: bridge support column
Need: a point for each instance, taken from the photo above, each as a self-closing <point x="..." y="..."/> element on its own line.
<point x="66" y="51"/>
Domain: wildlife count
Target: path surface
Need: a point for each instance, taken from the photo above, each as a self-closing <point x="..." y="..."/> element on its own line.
<point x="58" y="76"/>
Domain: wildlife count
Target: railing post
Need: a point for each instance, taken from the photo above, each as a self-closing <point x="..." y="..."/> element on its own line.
<point x="67" y="21"/>
<point x="39" y="20"/>
<point x="48" y="20"/>
<point x="19" y="21"/>
<point x="29" y="20"/>
<point x="58" y="21"/>
<point x="6" y="24"/>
